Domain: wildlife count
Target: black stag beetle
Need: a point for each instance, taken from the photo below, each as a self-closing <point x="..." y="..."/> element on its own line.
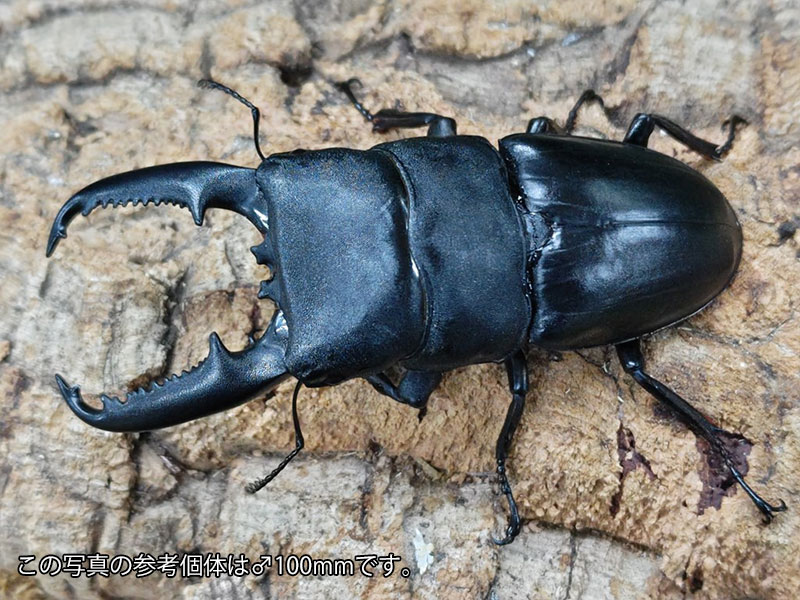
<point x="436" y="252"/>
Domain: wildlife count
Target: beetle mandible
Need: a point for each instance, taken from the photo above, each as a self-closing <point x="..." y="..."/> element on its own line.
<point x="435" y="252"/>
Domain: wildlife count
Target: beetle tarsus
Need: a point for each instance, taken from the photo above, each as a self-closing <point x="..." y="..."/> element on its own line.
<point x="514" y="521"/>
<point x="632" y="360"/>
<point x="767" y="509"/>
<point x="347" y="88"/>
<point x="728" y="143"/>
<point x="256" y="485"/>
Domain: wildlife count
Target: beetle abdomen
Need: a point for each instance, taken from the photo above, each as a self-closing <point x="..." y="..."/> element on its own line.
<point x="638" y="240"/>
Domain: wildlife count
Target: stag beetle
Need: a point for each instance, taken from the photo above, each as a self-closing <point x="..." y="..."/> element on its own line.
<point x="436" y="252"/>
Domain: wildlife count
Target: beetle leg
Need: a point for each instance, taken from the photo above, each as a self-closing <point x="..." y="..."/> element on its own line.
<point x="299" y="442"/>
<point x="630" y="355"/>
<point x="643" y="124"/>
<point x="517" y="369"/>
<point x="414" y="388"/>
<point x="388" y="118"/>
<point x="541" y="125"/>
<point x="586" y="96"/>
<point x="223" y="380"/>
<point x="254" y="110"/>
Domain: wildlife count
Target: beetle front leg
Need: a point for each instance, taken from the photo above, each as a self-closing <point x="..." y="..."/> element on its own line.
<point x="388" y="118"/>
<point x="517" y="369"/>
<point x="632" y="360"/>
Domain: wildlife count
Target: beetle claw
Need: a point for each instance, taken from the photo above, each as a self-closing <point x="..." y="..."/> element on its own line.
<point x="769" y="510"/>
<point x="511" y="533"/>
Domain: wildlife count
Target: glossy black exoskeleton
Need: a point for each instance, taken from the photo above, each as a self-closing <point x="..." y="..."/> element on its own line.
<point x="436" y="252"/>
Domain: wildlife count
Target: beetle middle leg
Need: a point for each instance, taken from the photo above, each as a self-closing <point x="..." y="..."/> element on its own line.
<point x="542" y="125"/>
<point x="586" y="96"/>
<point x="643" y="124"/>
<point x="388" y="118"/>
<point x="517" y="369"/>
<point x="630" y="355"/>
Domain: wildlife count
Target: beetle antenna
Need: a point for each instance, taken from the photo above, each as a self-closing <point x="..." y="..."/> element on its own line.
<point x="256" y="485"/>
<point x="254" y="110"/>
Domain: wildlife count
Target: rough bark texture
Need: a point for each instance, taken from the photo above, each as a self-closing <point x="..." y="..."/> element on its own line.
<point x="620" y="500"/>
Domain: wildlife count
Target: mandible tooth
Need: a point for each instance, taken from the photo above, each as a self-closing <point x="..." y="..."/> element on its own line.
<point x="270" y="289"/>
<point x="263" y="253"/>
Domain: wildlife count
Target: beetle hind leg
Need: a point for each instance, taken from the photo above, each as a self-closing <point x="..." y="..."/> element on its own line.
<point x="388" y="118"/>
<point x="632" y="360"/>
